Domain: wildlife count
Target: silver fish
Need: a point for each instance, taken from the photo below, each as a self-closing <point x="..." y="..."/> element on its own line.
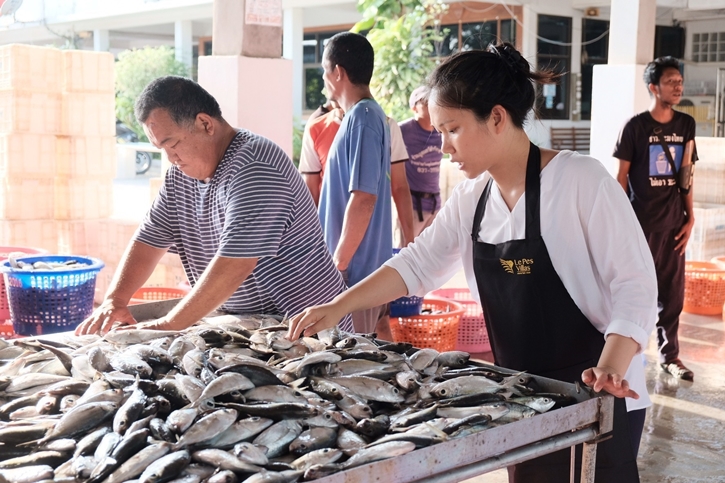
<point x="129" y="411"/>
<point x="251" y="454"/>
<point x="278" y="437"/>
<point x="495" y="410"/>
<point x="166" y="467"/>
<point x="135" y="465"/>
<point x="379" y="452"/>
<point x="207" y="427"/>
<point x="318" y="457"/>
<point x="223" y="460"/>
<point x="180" y="420"/>
<point x="313" y="439"/>
<point x="242" y="430"/>
<point x="224" y="384"/>
<point x="371" y="388"/>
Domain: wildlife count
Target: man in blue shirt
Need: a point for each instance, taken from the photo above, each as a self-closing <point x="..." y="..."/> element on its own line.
<point x="355" y="202"/>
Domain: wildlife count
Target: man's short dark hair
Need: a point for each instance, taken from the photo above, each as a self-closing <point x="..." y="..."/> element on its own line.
<point x="181" y="97"/>
<point x="654" y="70"/>
<point x="353" y="53"/>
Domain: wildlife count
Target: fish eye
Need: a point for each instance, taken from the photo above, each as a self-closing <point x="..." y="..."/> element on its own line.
<point x="443" y="391"/>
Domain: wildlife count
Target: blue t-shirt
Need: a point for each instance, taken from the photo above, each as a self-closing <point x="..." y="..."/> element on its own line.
<point x="359" y="160"/>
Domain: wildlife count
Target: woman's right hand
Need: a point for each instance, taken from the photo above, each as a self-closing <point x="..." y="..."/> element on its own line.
<point x="314" y="319"/>
<point x="107" y="316"/>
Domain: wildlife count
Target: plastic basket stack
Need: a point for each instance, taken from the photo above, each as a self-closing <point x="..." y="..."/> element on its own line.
<point x="153" y="294"/>
<point x="6" y="324"/>
<point x="704" y="288"/>
<point x="437" y="330"/>
<point x="472" y="333"/>
<point x="48" y="301"/>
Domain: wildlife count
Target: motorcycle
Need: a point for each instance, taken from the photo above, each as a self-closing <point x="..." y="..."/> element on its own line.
<point x="125" y="134"/>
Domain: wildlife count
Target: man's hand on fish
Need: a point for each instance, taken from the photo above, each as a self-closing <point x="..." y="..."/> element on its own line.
<point x="106" y="317"/>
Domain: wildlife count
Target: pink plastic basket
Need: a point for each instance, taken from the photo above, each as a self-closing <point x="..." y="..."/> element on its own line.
<point x="472" y="334"/>
<point x="4" y="252"/>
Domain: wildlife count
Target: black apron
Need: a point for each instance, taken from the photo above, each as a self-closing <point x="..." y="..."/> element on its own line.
<point x="535" y="326"/>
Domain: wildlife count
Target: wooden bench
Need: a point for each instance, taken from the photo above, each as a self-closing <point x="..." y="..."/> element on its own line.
<point x="572" y="138"/>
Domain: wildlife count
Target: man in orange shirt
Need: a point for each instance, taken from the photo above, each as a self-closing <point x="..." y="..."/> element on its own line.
<point x="316" y="143"/>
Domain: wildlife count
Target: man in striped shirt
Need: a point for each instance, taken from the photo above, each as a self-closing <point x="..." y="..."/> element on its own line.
<point x="233" y="207"/>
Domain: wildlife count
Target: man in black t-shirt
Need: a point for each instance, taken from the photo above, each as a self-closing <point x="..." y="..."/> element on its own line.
<point x="663" y="209"/>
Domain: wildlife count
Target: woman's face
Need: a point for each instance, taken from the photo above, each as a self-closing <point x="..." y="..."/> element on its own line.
<point x="465" y="137"/>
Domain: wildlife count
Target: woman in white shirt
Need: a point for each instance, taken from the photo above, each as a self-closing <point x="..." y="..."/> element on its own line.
<point x="549" y="244"/>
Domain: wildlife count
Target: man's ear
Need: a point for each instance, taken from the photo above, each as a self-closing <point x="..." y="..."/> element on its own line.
<point x="653" y="89"/>
<point x="339" y="72"/>
<point x="205" y="123"/>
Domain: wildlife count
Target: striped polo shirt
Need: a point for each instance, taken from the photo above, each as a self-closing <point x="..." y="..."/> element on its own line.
<point x="255" y="206"/>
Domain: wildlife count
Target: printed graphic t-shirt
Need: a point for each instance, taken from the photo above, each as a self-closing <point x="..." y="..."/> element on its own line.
<point x="423" y="168"/>
<point x="652" y="184"/>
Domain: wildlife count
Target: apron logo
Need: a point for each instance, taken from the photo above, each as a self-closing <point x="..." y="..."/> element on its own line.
<point x="517" y="267"/>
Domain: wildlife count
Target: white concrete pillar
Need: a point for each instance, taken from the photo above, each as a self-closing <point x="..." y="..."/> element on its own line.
<point x="292" y="37"/>
<point x="101" y="40"/>
<point x="575" y="90"/>
<point x="632" y="31"/>
<point x="530" y="29"/>
<point x="183" y="42"/>
<point x="618" y="91"/>
<point x="262" y="107"/>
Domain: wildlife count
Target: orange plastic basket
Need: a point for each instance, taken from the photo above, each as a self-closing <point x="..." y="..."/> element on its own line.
<point x="153" y="294"/>
<point x="704" y="288"/>
<point x="437" y="330"/>
<point x="472" y="333"/>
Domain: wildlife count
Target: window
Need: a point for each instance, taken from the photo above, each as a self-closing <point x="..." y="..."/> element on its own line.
<point x="592" y="54"/>
<point x="477" y="36"/>
<point x="474" y="36"/>
<point x="553" y="103"/>
<point x="708" y="47"/>
<point x="313" y="46"/>
<point x="671" y="41"/>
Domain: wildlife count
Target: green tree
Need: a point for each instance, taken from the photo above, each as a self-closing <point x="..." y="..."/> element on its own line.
<point x="134" y="70"/>
<point x="402" y="33"/>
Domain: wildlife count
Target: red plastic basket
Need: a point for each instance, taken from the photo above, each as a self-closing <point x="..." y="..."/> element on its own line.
<point x="152" y="294"/>
<point x="472" y="334"/>
<point x="4" y="252"/>
<point x="436" y="330"/>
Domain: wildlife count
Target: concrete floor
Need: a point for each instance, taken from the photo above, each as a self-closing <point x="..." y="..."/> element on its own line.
<point x="684" y="433"/>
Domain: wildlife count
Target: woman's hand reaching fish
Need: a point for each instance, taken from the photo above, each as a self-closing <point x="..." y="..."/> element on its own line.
<point x="606" y="379"/>
<point x="106" y="317"/>
<point x="313" y="320"/>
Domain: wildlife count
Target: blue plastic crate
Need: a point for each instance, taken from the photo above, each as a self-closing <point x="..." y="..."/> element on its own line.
<point x="405" y="306"/>
<point x="47" y="301"/>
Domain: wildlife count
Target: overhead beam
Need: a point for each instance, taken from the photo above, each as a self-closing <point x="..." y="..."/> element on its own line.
<point x="149" y="14"/>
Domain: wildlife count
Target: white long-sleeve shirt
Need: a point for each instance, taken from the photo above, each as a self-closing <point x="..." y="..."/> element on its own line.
<point x="593" y="237"/>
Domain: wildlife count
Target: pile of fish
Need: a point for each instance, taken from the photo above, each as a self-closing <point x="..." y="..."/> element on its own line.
<point x="15" y="263"/>
<point x="232" y="400"/>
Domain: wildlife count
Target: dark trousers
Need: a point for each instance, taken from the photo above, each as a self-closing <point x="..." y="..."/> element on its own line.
<point x="670" y="268"/>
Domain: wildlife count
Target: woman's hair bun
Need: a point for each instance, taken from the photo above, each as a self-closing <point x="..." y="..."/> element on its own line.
<point x="508" y="53"/>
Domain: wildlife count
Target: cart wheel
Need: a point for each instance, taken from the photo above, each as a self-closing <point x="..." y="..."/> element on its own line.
<point x="143" y="162"/>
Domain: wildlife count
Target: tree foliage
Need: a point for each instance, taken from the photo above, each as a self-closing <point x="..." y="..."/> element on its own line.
<point x="134" y="70"/>
<point x="402" y="33"/>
